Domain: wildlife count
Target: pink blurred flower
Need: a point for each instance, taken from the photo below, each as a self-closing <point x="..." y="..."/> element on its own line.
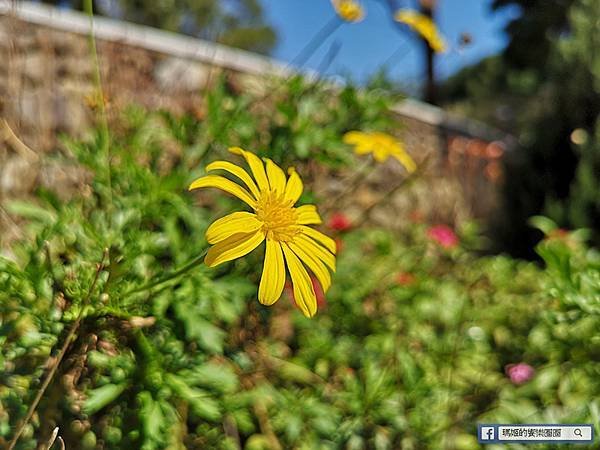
<point x="519" y="373"/>
<point x="443" y="235"/>
<point x="339" y="222"/>
<point x="405" y="279"/>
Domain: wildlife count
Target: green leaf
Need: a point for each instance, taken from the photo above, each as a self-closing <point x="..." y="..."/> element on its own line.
<point x="213" y="375"/>
<point x="151" y="416"/>
<point x="200" y="401"/>
<point x="28" y="210"/>
<point x="102" y="397"/>
<point x="544" y="224"/>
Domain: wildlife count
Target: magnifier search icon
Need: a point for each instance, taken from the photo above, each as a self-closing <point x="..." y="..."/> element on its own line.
<point x="577" y="432"/>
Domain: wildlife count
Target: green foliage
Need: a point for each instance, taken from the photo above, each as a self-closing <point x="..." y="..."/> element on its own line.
<point x="293" y="121"/>
<point x="197" y="363"/>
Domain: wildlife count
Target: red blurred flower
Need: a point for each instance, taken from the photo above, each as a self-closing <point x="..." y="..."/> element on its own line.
<point x="405" y="279"/>
<point x="559" y="233"/>
<point x="339" y="244"/>
<point x="339" y="222"/>
<point x="519" y="373"/>
<point x="321" y="301"/>
<point x="493" y="171"/>
<point x="416" y="216"/>
<point x="443" y="235"/>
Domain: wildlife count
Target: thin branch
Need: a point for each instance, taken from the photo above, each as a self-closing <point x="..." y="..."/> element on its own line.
<point x="403" y="49"/>
<point x="194" y="262"/>
<point x="9" y="136"/>
<point x="89" y="10"/>
<point x="265" y="425"/>
<point x="317" y="40"/>
<point x="329" y="57"/>
<point x="402" y="184"/>
<point x="55" y="284"/>
<point x="349" y="185"/>
<point x="55" y="364"/>
<point x="14" y="225"/>
<point x="50" y="443"/>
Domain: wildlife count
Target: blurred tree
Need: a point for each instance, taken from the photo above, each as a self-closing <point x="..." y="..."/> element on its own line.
<point x="238" y="23"/>
<point x="582" y="49"/>
<point x="532" y="33"/>
<point x="542" y="88"/>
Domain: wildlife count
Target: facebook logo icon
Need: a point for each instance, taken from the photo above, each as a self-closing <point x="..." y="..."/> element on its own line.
<point x="486" y="433"/>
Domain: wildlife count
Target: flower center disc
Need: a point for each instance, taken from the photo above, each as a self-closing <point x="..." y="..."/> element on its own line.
<point x="278" y="216"/>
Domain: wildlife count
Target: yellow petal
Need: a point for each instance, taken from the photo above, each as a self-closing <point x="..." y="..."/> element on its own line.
<point x="307" y="214"/>
<point x="349" y="10"/>
<point x="238" y="172"/>
<point x="326" y="241"/>
<point x="233" y="247"/>
<point x="354" y="137"/>
<point x="293" y="189"/>
<point x="234" y="223"/>
<point x="380" y="154"/>
<point x="256" y="166"/>
<point x="276" y="176"/>
<point x="225" y="185"/>
<point x="314" y="264"/>
<point x="304" y="293"/>
<point x="273" y="274"/>
<point x="363" y="148"/>
<point x="424" y="26"/>
<point x="405" y="160"/>
<point x="312" y="248"/>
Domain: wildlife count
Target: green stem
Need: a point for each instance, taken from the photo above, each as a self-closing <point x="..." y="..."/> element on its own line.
<point x="405" y="182"/>
<point x="351" y="184"/>
<point x="89" y="10"/>
<point x="190" y="265"/>
<point x="299" y="60"/>
<point x="397" y="56"/>
<point x="313" y="45"/>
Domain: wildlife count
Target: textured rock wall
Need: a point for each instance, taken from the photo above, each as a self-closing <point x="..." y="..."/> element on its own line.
<point x="47" y="86"/>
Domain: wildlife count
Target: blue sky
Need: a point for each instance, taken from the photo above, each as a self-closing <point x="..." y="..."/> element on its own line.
<point x="365" y="46"/>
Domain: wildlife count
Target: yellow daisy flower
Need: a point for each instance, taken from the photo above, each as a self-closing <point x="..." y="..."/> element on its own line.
<point x="349" y="10"/>
<point x="289" y="241"/>
<point x="381" y="145"/>
<point x="424" y="26"/>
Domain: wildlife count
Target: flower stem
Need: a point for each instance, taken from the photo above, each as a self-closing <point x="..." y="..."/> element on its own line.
<point x="351" y="184"/>
<point x="309" y="49"/>
<point x="190" y="265"/>
<point x="404" y="182"/>
<point x="104" y="133"/>
<point x="299" y="60"/>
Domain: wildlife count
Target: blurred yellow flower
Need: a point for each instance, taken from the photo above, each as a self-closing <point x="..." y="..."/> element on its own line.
<point x="349" y="10"/>
<point x="274" y="220"/>
<point x="381" y="145"/>
<point x="424" y="26"/>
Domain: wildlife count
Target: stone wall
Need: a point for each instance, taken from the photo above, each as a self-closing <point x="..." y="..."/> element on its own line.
<point x="47" y="83"/>
<point x="47" y="89"/>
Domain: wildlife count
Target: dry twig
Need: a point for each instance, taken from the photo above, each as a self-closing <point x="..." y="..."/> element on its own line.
<point x="54" y="363"/>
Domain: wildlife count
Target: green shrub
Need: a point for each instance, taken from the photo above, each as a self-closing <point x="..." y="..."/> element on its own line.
<point x="409" y="351"/>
